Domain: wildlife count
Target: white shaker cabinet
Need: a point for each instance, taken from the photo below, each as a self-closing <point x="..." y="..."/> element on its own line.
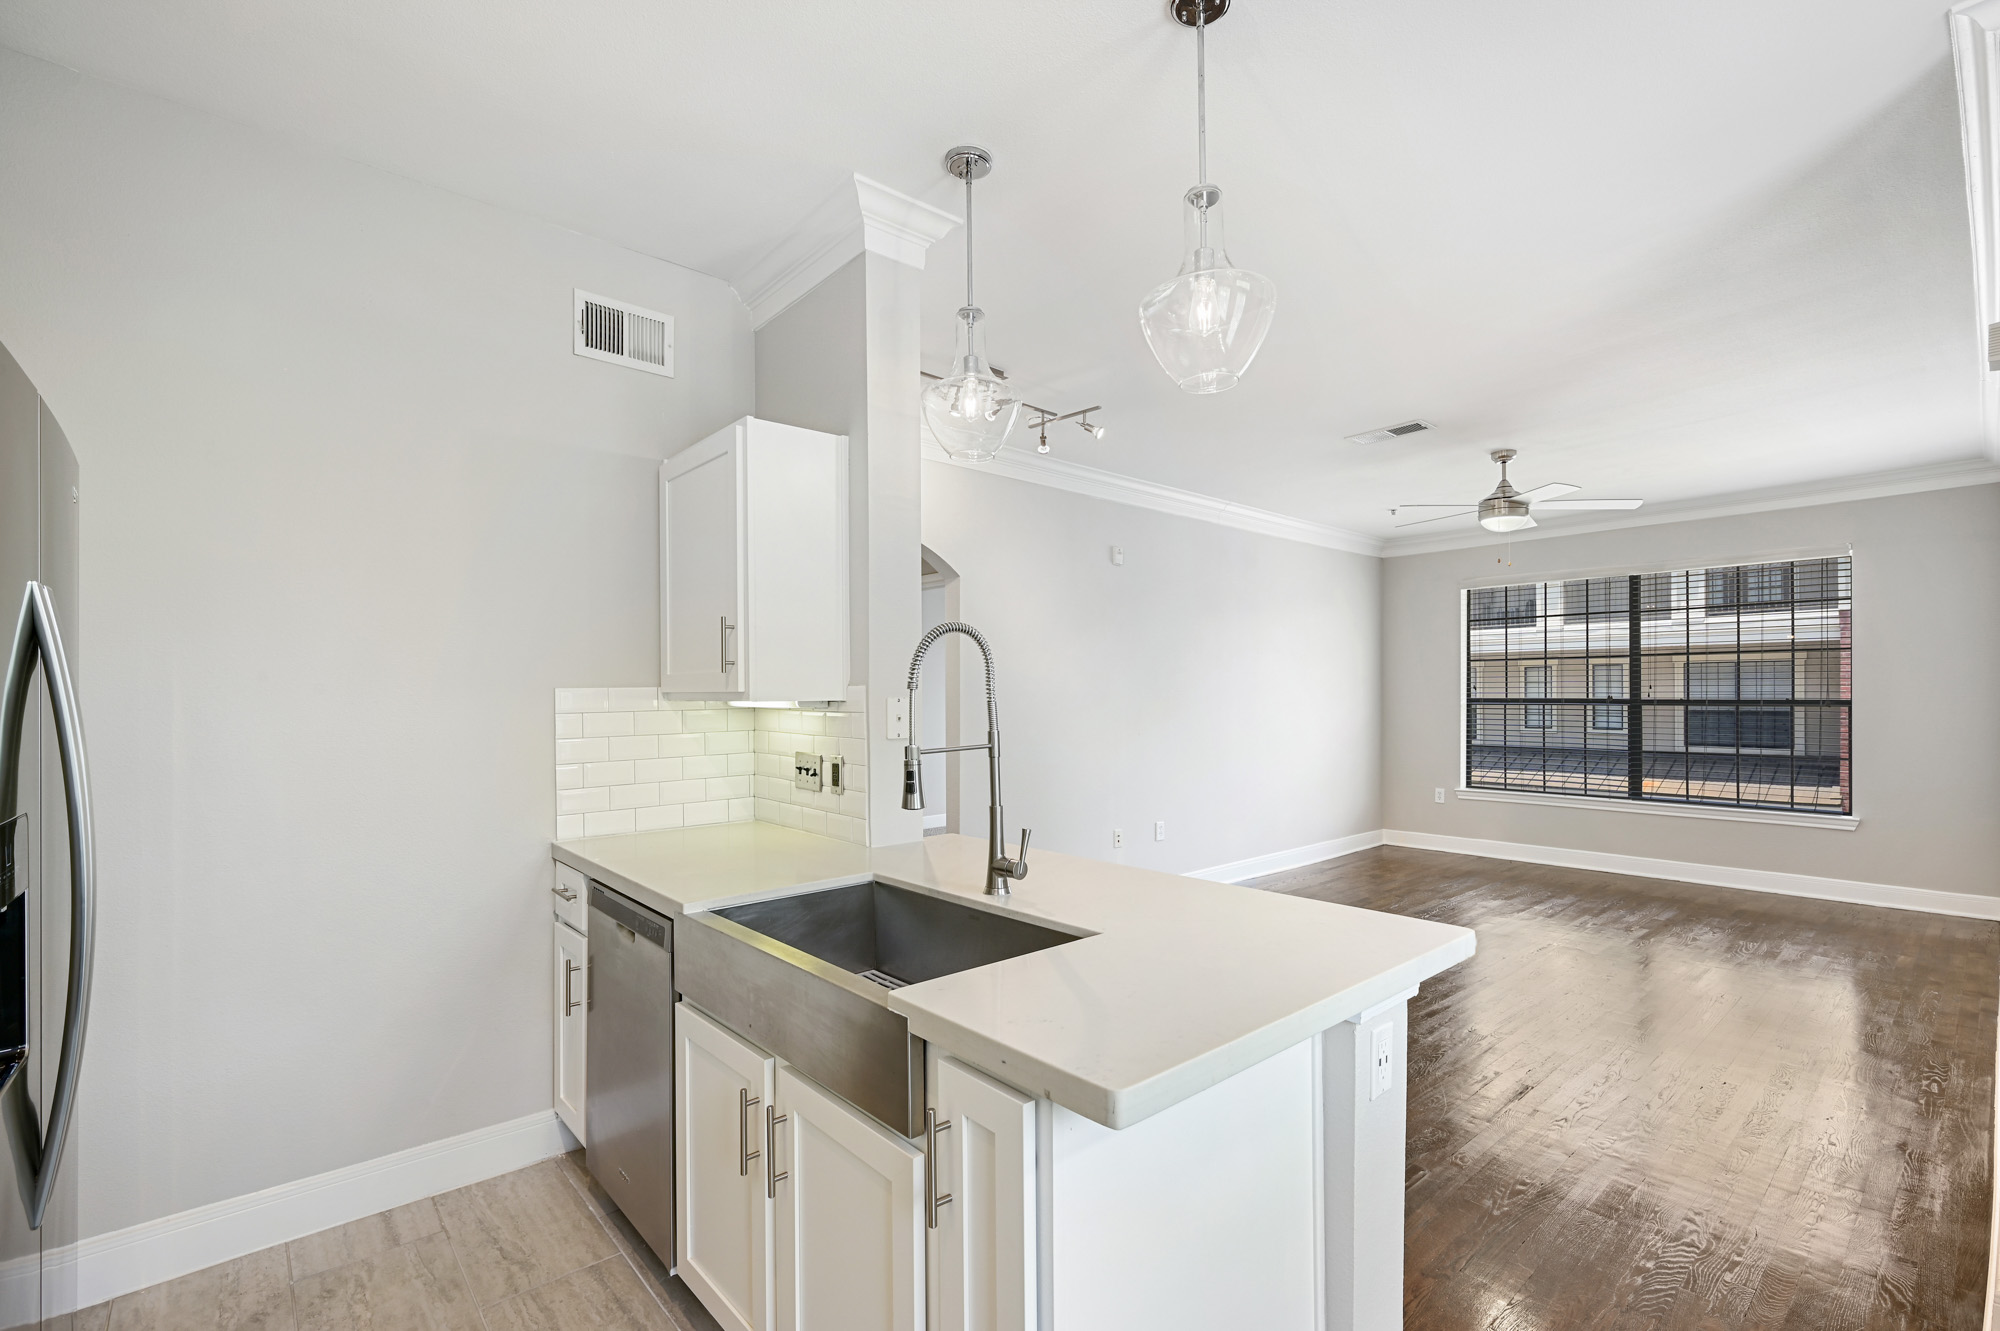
<point x="983" y="1239"/>
<point x="571" y="955"/>
<point x="723" y="1213"/>
<point x="849" y="1214"/>
<point x="754" y="565"/>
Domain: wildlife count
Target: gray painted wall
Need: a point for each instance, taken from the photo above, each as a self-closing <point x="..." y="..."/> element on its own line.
<point x="1926" y="713"/>
<point x="351" y="511"/>
<point x="1222" y="681"/>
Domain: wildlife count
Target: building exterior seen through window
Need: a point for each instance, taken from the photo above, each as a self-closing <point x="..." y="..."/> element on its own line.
<point x="1743" y="698"/>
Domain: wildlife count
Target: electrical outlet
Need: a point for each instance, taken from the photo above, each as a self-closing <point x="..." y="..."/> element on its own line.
<point x="1437" y="796"/>
<point x="899" y="716"/>
<point x="1117" y="838"/>
<point x="1381" y="1060"/>
<point x="1159" y="831"/>
<point x="1117" y="554"/>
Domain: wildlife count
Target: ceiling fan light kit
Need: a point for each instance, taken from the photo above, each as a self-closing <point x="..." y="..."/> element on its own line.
<point x="1206" y="325"/>
<point x="1511" y="510"/>
<point x="969" y="411"/>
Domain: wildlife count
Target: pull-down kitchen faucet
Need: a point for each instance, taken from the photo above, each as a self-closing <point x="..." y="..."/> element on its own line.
<point x="999" y="868"/>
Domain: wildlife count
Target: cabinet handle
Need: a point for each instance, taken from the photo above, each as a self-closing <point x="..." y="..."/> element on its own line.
<point x="728" y="628"/>
<point x="744" y="1155"/>
<point x="566" y="893"/>
<point x="772" y="1178"/>
<point x="589" y="985"/>
<point x="569" y="974"/>
<point x="931" y="1199"/>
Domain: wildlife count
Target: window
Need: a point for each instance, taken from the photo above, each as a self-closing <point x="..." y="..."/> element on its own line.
<point x="1726" y="685"/>
<point x="1535" y="684"/>
<point x="1607" y="680"/>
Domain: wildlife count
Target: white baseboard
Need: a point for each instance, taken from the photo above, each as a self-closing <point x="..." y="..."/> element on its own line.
<point x="1277" y="861"/>
<point x="1712" y="875"/>
<point x="145" y="1254"/>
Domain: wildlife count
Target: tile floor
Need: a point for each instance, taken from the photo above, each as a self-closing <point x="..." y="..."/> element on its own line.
<point x="541" y="1249"/>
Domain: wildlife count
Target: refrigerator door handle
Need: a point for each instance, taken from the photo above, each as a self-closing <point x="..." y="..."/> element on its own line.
<point x="36" y="635"/>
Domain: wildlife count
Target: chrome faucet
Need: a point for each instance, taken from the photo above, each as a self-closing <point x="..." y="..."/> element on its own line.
<point x="1000" y="870"/>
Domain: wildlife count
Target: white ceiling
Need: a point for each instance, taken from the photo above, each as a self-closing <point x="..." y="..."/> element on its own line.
<point x="1665" y="251"/>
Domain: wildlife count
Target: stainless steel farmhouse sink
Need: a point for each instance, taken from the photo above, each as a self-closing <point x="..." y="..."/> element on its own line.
<point x="808" y="977"/>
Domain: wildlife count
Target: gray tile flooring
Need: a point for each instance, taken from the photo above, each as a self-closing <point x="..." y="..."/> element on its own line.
<point x="541" y="1249"/>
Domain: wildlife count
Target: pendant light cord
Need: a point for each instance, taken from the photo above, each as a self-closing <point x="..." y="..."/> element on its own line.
<point x="1201" y="109"/>
<point x="968" y="236"/>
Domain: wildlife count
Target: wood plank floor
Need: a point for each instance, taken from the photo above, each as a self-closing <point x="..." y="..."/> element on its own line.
<point x="1651" y="1104"/>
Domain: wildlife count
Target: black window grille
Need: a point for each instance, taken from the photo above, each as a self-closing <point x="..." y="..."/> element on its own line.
<point x="1728" y="686"/>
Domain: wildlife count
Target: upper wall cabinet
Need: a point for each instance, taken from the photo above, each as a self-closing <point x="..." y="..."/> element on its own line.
<point x="753" y="565"/>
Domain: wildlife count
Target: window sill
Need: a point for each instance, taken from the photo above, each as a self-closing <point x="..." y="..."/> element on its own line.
<point x="1830" y="822"/>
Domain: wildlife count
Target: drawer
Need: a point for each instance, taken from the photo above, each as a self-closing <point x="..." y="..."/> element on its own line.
<point x="572" y="897"/>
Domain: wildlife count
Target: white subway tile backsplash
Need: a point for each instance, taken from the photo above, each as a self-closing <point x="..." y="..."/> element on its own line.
<point x="657" y="723"/>
<point x="658" y="769"/>
<point x="628" y="760"/>
<point x="728" y="787"/>
<point x="607" y="774"/>
<point x="633" y="700"/>
<point x="580" y="751"/>
<point x="635" y="796"/>
<point x="609" y="824"/>
<point x="607" y="723"/>
<point x="595" y="800"/>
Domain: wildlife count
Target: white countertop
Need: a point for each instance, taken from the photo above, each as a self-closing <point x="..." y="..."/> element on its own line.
<point x="1182" y="984"/>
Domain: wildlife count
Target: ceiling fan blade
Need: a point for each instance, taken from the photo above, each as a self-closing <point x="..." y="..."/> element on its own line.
<point x="1462" y="513"/>
<point x="1460" y="504"/>
<point x="1553" y="490"/>
<point x="1581" y="505"/>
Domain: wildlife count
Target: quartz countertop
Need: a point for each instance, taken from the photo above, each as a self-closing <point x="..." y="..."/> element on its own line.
<point x="1179" y="984"/>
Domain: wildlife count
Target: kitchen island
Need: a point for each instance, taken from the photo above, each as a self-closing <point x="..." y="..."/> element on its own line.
<point x="1216" y="1073"/>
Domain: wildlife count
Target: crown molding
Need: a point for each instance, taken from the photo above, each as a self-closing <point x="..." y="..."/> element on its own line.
<point x="862" y="216"/>
<point x="1020" y="465"/>
<point x="1975" y="55"/>
<point x="1879" y="485"/>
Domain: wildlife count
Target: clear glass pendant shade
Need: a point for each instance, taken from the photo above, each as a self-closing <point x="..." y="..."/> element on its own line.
<point x="970" y="411"/>
<point x="1206" y="326"/>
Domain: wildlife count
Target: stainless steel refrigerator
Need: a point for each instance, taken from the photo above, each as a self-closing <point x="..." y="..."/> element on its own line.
<point x="46" y="860"/>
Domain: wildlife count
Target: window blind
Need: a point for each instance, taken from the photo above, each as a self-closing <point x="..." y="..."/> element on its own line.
<point x="1743" y="690"/>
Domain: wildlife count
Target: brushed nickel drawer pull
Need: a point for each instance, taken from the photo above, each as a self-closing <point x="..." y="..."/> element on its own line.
<point x="931" y="1199"/>
<point x="566" y="893"/>
<point x="743" y="1152"/>
<point x="570" y="1003"/>
<point x="772" y="1178"/>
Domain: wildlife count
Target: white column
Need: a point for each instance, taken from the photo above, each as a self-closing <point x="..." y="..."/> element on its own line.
<point x="1361" y="1164"/>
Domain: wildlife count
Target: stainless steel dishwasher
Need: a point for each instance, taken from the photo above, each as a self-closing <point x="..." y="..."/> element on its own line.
<point x="629" y="1063"/>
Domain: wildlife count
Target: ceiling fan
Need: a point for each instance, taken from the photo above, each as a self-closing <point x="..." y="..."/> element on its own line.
<point x="1508" y="509"/>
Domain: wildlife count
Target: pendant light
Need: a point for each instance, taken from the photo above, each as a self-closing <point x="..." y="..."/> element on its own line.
<point x="969" y="411"/>
<point x="1206" y="325"/>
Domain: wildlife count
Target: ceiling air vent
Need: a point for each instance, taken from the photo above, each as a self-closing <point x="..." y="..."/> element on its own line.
<point x="1390" y="432"/>
<point x="1993" y="346"/>
<point x="624" y="334"/>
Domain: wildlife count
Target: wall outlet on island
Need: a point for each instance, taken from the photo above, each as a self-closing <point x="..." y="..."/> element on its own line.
<point x="1381" y="1060"/>
<point x="1117" y="838"/>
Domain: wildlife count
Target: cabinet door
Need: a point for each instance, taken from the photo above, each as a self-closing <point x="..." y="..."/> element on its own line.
<point x="723" y="1215"/>
<point x="850" y="1222"/>
<point x="571" y="953"/>
<point x="702" y="496"/>
<point x="985" y="1236"/>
